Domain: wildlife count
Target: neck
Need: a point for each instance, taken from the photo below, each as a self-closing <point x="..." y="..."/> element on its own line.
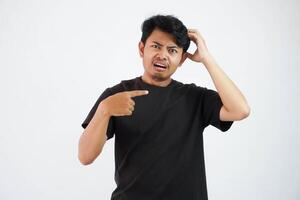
<point x="156" y="82"/>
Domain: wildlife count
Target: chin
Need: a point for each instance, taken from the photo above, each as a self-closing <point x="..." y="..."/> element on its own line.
<point x="159" y="77"/>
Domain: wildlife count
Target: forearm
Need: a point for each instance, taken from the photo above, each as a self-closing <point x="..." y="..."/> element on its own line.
<point x="94" y="137"/>
<point x="232" y="98"/>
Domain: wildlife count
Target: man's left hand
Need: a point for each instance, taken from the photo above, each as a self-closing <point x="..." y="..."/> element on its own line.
<point x="201" y="51"/>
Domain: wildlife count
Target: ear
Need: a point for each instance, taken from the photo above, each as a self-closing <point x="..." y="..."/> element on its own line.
<point x="183" y="58"/>
<point x="141" y="47"/>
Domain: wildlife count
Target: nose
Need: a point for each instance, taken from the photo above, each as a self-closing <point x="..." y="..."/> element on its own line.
<point x="162" y="54"/>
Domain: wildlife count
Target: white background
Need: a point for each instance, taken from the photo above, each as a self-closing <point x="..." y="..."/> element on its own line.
<point x="57" y="57"/>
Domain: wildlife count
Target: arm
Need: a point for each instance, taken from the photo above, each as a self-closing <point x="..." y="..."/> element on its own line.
<point x="94" y="136"/>
<point x="235" y="106"/>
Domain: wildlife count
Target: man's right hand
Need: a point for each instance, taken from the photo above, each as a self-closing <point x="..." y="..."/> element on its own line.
<point x="121" y="103"/>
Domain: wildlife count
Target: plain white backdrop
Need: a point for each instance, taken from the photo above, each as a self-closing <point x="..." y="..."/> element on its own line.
<point x="57" y="57"/>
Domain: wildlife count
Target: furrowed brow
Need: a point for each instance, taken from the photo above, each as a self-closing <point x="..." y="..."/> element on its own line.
<point x="174" y="46"/>
<point x="157" y="43"/>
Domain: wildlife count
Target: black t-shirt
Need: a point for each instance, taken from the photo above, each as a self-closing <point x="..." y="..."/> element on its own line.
<point x="159" y="151"/>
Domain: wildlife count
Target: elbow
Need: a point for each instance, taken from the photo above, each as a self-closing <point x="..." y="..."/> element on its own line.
<point x="87" y="153"/>
<point x="84" y="160"/>
<point x="87" y="158"/>
<point x="245" y="112"/>
<point x="85" y="163"/>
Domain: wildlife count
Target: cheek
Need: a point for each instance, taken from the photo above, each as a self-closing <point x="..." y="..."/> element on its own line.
<point x="147" y="60"/>
<point x="149" y="57"/>
<point x="176" y="61"/>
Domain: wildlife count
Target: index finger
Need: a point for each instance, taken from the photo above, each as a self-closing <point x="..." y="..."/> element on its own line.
<point x="135" y="93"/>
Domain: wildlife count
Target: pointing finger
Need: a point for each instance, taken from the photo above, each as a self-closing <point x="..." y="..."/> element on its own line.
<point x="135" y="93"/>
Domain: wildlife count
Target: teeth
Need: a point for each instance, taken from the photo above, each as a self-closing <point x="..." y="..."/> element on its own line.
<point x="159" y="64"/>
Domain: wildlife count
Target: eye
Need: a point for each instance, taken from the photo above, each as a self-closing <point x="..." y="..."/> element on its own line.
<point x="155" y="46"/>
<point x="173" y="50"/>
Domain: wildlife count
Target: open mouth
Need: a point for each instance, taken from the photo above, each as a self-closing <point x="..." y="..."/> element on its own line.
<point x="160" y="67"/>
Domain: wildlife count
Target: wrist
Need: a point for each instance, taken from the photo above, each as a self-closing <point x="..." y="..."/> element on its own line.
<point x="207" y="58"/>
<point x="103" y="110"/>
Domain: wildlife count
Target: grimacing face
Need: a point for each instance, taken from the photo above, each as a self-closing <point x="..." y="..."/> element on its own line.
<point x="161" y="56"/>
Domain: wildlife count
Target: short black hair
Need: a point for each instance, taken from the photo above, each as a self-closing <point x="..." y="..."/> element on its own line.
<point x="169" y="24"/>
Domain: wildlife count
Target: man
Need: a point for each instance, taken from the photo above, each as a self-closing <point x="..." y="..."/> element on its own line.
<point x="158" y="122"/>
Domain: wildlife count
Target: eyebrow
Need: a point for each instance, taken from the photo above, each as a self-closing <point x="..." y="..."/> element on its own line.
<point x="163" y="45"/>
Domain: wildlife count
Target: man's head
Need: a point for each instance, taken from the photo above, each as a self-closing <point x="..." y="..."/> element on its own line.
<point x="168" y="24"/>
<point x="164" y="41"/>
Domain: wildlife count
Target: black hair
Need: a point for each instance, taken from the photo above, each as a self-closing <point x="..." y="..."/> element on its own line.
<point x="169" y="24"/>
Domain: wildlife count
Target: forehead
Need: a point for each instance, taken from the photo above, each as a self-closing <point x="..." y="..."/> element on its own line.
<point x="161" y="37"/>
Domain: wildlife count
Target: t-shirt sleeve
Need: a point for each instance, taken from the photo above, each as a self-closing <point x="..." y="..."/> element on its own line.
<point x="210" y="110"/>
<point x="110" y="128"/>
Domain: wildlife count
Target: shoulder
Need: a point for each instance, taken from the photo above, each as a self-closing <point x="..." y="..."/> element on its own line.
<point x="194" y="89"/>
<point x="123" y="85"/>
<point x="128" y="83"/>
<point x="201" y="90"/>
